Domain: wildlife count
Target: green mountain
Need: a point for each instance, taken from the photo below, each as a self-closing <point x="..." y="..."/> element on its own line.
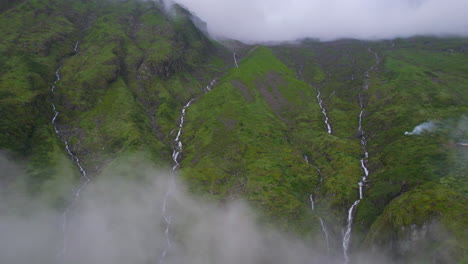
<point x="276" y="125"/>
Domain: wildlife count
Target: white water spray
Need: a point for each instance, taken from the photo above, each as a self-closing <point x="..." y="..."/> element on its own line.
<point x="324" y="112"/>
<point x="363" y="162"/>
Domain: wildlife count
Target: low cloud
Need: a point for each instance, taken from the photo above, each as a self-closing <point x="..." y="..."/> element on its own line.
<point x="278" y="20"/>
<point x="118" y="220"/>
<point x="424" y="127"/>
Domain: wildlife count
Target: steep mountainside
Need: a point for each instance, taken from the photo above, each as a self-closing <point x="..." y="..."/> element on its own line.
<point x="285" y="127"/>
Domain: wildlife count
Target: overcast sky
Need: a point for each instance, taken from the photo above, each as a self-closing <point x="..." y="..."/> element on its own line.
<point x="278" y="20"/>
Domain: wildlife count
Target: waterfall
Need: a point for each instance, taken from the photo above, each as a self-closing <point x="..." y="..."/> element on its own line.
<point x="235" y="60"/>
<point x="363" y="161"/>
<point x="347" y="235"/>
<point x="311" y="198"/>
<point x="75" y="49"/>
<point x="312" y="204"/>
<point x="325" y="233"/>
<point x="85" y="179"/>
<point x="320" y="102"/>
<point x="176" y="152"/>
<point x="324" y="112"/>
<point x="210" y="86"/>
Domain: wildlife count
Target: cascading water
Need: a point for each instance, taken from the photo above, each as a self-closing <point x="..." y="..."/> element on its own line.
<point x="176" y="151"/>
<point x="235" y="59"/>
<point x="325" y="233"/>
<point x="363" y="162"/>
<point x="84" y="176"/>
<point x="319" y="100"/>
<point x="75" y="49"/>
<point x="324" y="112"/>
<point x="210" y="86"/>
<point x="312" y="203"/>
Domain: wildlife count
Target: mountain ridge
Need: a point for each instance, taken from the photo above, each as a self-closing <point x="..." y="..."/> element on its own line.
<point x="127" y="69"/>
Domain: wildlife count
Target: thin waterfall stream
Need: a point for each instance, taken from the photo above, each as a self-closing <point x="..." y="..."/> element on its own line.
<point x="85" y="179"/>
<point x="324" y="112"/>
<point x="176" y="156"/>
<point x="210" y="86"/>
<point x="312" y="203"/>
<point x="319" y="100"/>
<point x="177" y="150"/>
<point x="235" y="60"/>
<point x="75" y="49"/>
<point x="363" y="161"/>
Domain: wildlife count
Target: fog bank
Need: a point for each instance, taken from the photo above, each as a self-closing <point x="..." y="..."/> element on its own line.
<point x="119" y="221"/>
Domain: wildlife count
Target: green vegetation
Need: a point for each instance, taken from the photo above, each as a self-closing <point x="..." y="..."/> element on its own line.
<point x="415" y="86"/>
<point x="120" y="98"/>
<point x="419" y="80"/>
<point x="237" y="143"/>
<point x="116" y="95"/>
<point x="29" y="50"/>
<point x="438" y="211"/>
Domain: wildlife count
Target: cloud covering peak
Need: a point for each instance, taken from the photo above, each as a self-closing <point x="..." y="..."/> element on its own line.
<point x="279" y="20"/>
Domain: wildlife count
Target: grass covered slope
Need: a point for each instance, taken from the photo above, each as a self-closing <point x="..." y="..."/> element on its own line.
<point x="417" y="85"/>
<point x="135" y="58"/>
<point x="423" y="225"/>
<point x="248" y="138"/>
<point x="37" y="35"/>
<point x="237" y="144"/>
<point x="419" y="80"/>
<point x="121" y="93"/>
<point x="118" y="92"/>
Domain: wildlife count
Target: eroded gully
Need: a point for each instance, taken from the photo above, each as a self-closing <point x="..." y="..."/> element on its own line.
<point x="363" y="161"/>
<point x="85" y="179"/>
<point x="176" y="157"/>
